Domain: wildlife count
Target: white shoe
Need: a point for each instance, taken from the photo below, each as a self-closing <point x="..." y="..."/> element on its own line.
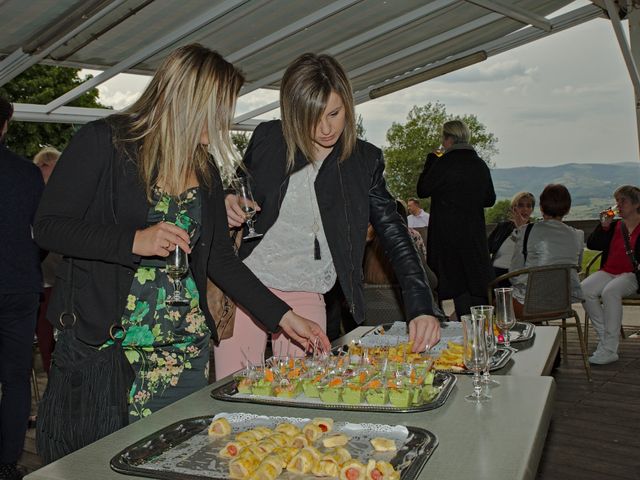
<point x="602" y="357"/>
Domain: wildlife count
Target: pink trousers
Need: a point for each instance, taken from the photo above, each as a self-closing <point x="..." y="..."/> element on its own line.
<point x="250" y="338"/>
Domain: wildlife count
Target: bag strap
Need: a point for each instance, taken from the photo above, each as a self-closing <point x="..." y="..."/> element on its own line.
<point x="527" y="232"/>
<point x="627" y="245"/>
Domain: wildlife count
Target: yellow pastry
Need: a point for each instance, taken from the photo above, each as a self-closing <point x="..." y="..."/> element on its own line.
<point x="220" y="427"/>
<point x="288" y="429"/>
<point x="300" y="441"/>
<point x="326" y="467"/>
<point x="335" y="440"/>
<point x="312" y="431"/>
<point x="381" y="444"/>
<point x="352" y="470"/>
<point x="302" y="462"/>
<point x="325" y="424"/>
<point x="231" y="449"/>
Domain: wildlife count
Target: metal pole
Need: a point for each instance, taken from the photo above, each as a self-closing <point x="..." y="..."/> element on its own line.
<point x="634" y="40"/>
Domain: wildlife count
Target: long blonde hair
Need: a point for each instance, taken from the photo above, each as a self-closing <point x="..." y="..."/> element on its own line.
<point x="304" y="92"/>
<point x="194" y="88"/>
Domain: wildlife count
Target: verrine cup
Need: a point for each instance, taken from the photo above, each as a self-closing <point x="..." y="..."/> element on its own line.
<point x="475" y="353"/>
<point x="490" y="339"/>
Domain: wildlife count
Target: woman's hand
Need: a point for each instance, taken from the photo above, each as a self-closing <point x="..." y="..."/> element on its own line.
<point x="424" y="332"/>
<point x="605" y="219"/>
<point x="304" y="331"/>
<point x="159" y="240"/>
<point x="235" y="215"/>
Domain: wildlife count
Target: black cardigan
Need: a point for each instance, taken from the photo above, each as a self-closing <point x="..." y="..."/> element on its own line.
<point x="600" y="239"/>
<point x="90" y="211"/>
<point x="350" y="194"/>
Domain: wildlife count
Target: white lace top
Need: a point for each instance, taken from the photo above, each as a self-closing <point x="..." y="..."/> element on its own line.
<point x="284" y="259"/>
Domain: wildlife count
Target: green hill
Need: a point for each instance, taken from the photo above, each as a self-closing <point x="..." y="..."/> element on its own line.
<point x="591" y="184"/>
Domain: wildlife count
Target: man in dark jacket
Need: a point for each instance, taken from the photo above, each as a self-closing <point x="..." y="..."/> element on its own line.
<point x="21" y="185"/>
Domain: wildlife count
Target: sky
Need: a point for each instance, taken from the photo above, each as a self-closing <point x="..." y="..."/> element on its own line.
<point x="566" y="98"/>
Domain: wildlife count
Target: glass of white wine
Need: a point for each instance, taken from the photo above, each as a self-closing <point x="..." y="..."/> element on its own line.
<point x="247" y="204"/>
<point x="177" y="267"/>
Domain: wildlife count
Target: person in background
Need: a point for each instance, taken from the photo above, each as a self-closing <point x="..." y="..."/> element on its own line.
<point x="501" y="242"/>
<point x="20" y="287"/>
<point x="127" y="191"/>
<point x="549" y="242"/>
<point x="417" y="216"/>
<point x="46" y="160"/>
<point x="318" y="187"/>
<point x="460" y="186"/>
<point x="604" y="289"/>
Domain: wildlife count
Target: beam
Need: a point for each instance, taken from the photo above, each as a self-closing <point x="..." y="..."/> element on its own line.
<point x="515" y="12"/>
<point x="148" y="51"/>
<point x="18" y="61"/>
<point x="634" y="40"/>
<point x="624" y="46"/>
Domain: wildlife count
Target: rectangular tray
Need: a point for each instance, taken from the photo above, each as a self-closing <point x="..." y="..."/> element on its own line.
<point x="497" y="361"/>
<point x="228" y="392"/>
<point x="184" y="450"/>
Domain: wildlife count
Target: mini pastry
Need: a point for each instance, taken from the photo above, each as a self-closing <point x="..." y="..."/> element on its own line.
<point x="288" y="429"/>
<point x="302" y="462"/>
<point x="220" y="427"/>
<point x="281" y="439"/>
<point x="379" y="470"/>
<point x="285" y="454"/>
<point x="300" y="441"/>
<point x="241" y="467"/>
<point x="339" y="454"/>
<point x="381" y="444"/>
<point x="326" y="467"/>
<point x="231" y="449"/>
<point x="335" y="440"/>
<point x="262" y="432"/>
<point x="247" y="437"/>
<point x="352" y="470"/>
<point x="325" y="424"/>
<point x="312" y="431"/>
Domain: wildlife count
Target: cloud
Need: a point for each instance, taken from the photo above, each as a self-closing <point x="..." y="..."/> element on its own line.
<point x="576" y="90"/>
<point x="493" y="72"/>
<point x="118" y="99"/>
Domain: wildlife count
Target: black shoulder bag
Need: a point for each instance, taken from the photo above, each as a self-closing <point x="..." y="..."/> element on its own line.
<point x="88" y="388"/>
<point x="630" y="253"/>
<point x="527" y="232"/>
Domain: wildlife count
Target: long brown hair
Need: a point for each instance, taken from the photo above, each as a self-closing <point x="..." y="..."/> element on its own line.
<point x="193" y="90"/>
<point x="304" y="93"/>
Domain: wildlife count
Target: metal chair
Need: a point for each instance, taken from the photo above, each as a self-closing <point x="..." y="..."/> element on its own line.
<point x="382" y="304"/>
<point x="631" y="300"/>
<point x="34" y="377"/>
<point x="548" y="297"/>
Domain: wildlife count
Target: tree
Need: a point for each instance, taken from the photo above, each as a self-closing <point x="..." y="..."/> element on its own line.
<point x="39" y="85"/>
<point x="499" y="212"/>
<point x="360" y="130"/>
<point x="410" y="142"/>
<point x="241" y="141"/>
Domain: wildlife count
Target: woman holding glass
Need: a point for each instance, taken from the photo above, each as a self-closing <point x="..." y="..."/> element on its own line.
<point x="604" y="289"/>
<point x="127" y="192"/>
<point x="501" y="241"/>
<point x="318" y="187"/>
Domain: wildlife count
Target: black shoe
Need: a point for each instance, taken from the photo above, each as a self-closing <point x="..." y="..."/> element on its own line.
<point x="10" y="471"/>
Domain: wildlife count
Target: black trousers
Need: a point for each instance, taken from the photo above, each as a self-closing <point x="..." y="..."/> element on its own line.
<point x="18" y="314"/>
<point x="464" y="302"/>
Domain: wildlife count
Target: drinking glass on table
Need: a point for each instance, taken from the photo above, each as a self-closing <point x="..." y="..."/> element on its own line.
<point x="247" y="204"/>
<point x="490" y="339"/>
<point x="177" y="266"/>
<point x="475" y="353"/>
<point x="505" y="316"/>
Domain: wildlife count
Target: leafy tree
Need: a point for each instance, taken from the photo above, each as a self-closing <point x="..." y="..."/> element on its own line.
<point x="410" y="142"/>
<point x="360" y="130"/>
<point x="240" y="140"/>
<point x="39" y="85"/>
<point x="499" y="212"/>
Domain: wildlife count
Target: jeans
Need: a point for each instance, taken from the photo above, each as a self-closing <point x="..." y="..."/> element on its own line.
<point x="18" y="313"/>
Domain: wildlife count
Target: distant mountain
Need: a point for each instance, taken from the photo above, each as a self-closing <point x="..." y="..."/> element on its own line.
<point x="591" y="184"/>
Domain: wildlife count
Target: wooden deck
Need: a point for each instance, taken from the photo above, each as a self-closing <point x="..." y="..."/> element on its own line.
<point x="595" y="429"/>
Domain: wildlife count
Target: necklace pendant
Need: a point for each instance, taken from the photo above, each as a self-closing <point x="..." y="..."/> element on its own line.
<point x="316" y="248"/>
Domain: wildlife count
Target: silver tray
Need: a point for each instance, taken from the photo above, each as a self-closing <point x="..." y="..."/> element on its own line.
<point x="228" y="392"/>
<point x="184" y="451"/>
<point x="497" y="361"/>
<point x="521" y="332"/>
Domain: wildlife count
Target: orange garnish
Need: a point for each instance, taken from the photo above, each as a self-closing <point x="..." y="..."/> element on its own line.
<point x="335" y="382"/>
<point x="268" y="375"/>
<point x="362" y="377"/>
<point x="374" y="384"/>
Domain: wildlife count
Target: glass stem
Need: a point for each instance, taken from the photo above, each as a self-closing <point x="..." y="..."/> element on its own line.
<point x="250" y="226"/>
<point x="507" y="340"/>
<point x="179" y="287"/>
<point x="477" y="388"/>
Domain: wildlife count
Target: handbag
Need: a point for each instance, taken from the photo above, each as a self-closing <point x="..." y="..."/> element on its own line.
<point x="221" y="307"/>
<point x="87" y="391"/>
<point x="630" y="253"/>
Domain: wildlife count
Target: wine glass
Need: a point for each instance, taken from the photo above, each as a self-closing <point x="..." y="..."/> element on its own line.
<point x="440" y="150"/>
<point x="247" y="204"/>
<point x="475" y="353"/>
<point x="490" y="339"/>
<point x="505" y="316"/>
<point x="177" y="266"/>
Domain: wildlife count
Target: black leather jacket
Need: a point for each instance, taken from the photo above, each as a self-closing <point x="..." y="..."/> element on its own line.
<point x="498" y="235"/>
<point x="350" y="194"/>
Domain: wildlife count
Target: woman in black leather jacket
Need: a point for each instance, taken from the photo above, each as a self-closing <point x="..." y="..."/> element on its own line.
<point x="318" y="187"/>
<point x="500" y="242"/>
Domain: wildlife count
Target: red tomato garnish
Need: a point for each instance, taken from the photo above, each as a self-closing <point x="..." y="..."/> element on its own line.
<point x="352" y="473"/>
<point x="233" y="450"/>
<point x="376" y="474"/>
<point x="323" y="427"/>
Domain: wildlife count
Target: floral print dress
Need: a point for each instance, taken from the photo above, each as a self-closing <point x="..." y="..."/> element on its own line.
<point x="168" y="346"/>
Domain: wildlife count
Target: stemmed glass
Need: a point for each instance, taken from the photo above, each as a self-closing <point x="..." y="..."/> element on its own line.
<point x="475" y="353"/>
<point x="177" y="266"/>
<point x="247" y="204"/>
<point x="505" y="316"/>
<point x="490" y="339"/>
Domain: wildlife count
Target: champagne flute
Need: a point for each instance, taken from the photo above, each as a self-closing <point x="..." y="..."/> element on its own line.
<point x="475" y="353"/>
<point x="505" y="316"/>
<point x="247" y="204"/>
<point x="439" y="151"/>
<point x="177" y="267"/>
<point x="490" y="338"/>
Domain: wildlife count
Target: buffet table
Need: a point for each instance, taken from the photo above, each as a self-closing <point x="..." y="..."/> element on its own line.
<point x="502" y="438"/>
